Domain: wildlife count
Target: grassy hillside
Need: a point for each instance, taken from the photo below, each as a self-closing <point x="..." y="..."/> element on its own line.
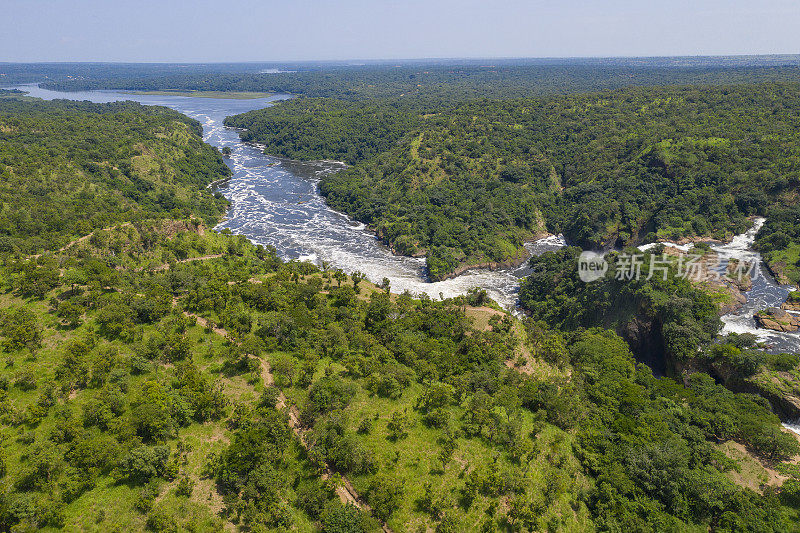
<point x="67" y="168"/>
<point x="193" y="381"/>
<point x="160" y="376"/>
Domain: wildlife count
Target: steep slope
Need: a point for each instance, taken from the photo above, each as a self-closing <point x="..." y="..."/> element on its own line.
<point x="67" y="168"/>
<point x="469" y="183"/>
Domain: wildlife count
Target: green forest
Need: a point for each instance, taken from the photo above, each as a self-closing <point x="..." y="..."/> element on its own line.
<point x="68" y="168"/>
<point x="158" y="375"/>
<point x="470" y="183"/>
<point x="161" y="376"/>
<point x="439" y="80"/>
<point x="779" y="239"/>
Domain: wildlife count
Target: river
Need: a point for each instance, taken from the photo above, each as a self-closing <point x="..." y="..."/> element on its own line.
<point x="275" y="202"/>
<point x="765" y="291"/>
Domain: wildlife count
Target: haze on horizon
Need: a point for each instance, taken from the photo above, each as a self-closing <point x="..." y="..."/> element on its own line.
<point x="250" y="30"/>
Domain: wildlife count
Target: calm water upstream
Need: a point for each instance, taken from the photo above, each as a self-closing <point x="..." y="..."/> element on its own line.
<point x="275" y="202"/>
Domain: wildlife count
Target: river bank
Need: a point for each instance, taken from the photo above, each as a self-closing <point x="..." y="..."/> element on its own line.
<point x="765" y="291"/>
<point x="222" y="95"/>
<point x="522" y="256"/>
<point x="276" y="202"/>
<point x="329" y="166"/>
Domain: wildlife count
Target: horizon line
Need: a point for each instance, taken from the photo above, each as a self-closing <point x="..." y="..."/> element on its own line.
<point x="407" y="59"/>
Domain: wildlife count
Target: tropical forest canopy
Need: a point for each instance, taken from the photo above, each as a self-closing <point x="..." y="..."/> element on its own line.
<point x="161" y="376"/>
<point x="440" y="80"/>
<point x="470" y="183"/>
<point x="67" y="168"/>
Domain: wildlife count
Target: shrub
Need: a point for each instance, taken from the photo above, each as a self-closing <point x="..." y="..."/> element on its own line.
<point x="782" y="362"/>
<point x="185" y="487"/>
<point x="385" y="495"/>
<point x="144" y="463"/>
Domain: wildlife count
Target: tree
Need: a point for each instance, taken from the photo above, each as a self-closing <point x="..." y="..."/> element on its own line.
<point x="385" y="495"/>
<point x="115" y="320"/>
<point x="151" y="415"/>
<point x="386" y="285"/>
<point x="397" y="425"/>
<point x="144" y="463"/>
<point x="71" y="313"/>
<point x="508" y="398"/>
<point x="340" y="518"/>
<point x="20" y="328"/>
<point x="283" y="367"/>
<point x="340" y="277"/>
<point x="357" y="278"/>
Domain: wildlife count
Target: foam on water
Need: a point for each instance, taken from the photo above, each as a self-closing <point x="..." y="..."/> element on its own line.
<point x="765" y="292"/>
<point x="682" y="247"/>
<point x="275" y="202"/>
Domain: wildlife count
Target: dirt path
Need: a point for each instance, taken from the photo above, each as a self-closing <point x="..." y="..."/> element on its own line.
<point x="166" y="266"/>
<point x="89" y="236"/>
<point x="346" y="492"/>
<point x="200" y="231"/>
<point x="82" y="239"/>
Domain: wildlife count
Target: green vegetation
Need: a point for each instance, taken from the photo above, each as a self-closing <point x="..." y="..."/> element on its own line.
<point x="309" y="129"/>
<point x="779" y="239"/>
<point x="470" y="183"/>
<point x="115" y="401"/>
<point x="160" y="376"/>
<point x="151" y="405"/>
<point x="11" y="93"/>
<point x="67" y="168"/>
<point x="662" y="317"/>
<point x="451" y="81"/>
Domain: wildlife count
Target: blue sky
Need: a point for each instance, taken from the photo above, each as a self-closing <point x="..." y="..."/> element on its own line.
<point x="249" y="30"/>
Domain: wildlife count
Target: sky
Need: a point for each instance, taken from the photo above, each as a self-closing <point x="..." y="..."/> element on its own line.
<point x="293" y="30"/>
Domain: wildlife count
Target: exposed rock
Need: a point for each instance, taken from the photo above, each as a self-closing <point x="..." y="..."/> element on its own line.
<point x="784" y="402"/>
<point x="777" y="269"/>
<point x="707" y="273"/>
<point x="792" y="305"/>
<point x="644" y="337"/>
<point x="777" y="319"/>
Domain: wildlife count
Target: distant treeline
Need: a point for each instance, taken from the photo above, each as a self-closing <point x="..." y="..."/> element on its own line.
<point x="442" y="82"/>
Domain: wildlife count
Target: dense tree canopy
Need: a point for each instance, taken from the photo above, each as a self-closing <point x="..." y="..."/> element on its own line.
<point x="470" y="183"/>
<point x="67" y="168"/>
<point x="159" y="375"/>
<point x="440" y="80"/>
